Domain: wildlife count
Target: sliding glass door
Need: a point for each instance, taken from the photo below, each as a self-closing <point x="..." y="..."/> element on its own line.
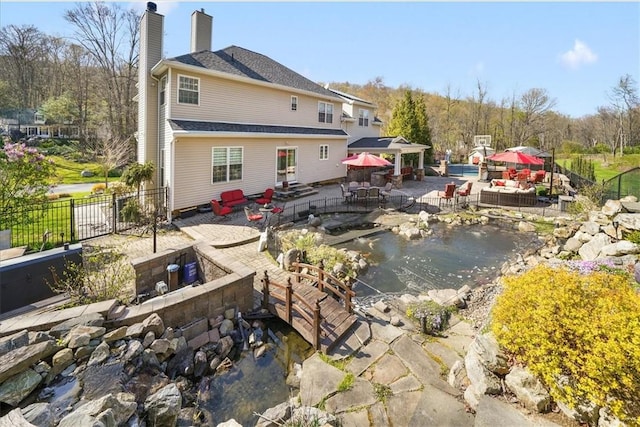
<point x="286" y="162"/>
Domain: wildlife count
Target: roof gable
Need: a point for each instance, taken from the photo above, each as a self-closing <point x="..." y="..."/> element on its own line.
<point x="242" y="62"/>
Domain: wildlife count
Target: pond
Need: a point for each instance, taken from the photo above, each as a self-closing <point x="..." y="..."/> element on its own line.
<point x="451" y="257"/>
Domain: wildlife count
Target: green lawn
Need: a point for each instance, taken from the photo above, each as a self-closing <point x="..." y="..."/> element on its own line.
<point x="55" y="219"/>
<point x="605" y="165"/>
<point x="68" y="172"/>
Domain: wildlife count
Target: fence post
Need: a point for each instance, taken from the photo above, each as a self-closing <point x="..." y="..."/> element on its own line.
<point x="265" y="291"/>
<point x="298" y="268"/>
<point x="72" y="216"/>
<point x="288" y="298"/>
<point x="316" y="326"/>
<point x="347" y="297"/>
<point x="321" y="276"/>
<point x="114" y="216"/>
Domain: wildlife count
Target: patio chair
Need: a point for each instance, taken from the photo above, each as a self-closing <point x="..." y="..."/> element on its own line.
<point x="386" y="191"/>
<point x="266" y="197"/>
<point x="447" y="194"/>
<point x="277" y="211"/>
<point x="361" y="194"/>
<point x="464" y="191"/>
<point x="373" y="193"/>
<point x="218" y="210"/>
<point x="346" y="194"/>
<point x="252" y="216"/>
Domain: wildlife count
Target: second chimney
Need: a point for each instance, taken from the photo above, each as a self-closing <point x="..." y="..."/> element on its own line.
<point x="201" y="25"/>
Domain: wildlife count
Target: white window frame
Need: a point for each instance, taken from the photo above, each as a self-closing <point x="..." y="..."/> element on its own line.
<point x="180" y="88"/>
<point x="294" y="103"/>
<point x="324" y="151"/>
<point x="228" y="165"/>
<point x="324" y="115"/>
<point x="163" y="90"/>
<point x="363" y="117"/>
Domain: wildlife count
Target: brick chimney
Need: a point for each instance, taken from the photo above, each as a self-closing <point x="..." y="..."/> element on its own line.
<point x="201" y="30"/>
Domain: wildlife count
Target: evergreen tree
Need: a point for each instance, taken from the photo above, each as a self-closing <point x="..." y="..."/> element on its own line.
<point x="409" y="120"/>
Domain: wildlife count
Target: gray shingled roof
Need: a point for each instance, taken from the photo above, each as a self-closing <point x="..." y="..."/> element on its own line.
<point x="371" y="142"/>
<point x="197" y="126"/>
<point x="245" y="63"/>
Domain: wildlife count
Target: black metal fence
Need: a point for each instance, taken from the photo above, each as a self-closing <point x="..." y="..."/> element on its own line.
<point x="73" y="220"/>
<point x="625" y="184"/>
<point x="576" y="180"/>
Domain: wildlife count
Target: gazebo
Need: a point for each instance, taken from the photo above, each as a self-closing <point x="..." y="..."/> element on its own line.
<point x="391" y="145"/>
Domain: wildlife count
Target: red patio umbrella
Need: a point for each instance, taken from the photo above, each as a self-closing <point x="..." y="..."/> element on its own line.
<point x="516" y="157"/>
<point x="366" y="159"/>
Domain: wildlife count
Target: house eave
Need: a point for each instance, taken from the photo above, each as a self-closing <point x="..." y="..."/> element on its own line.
<point x="206" y="134"/>
<point x="162" y="66"/>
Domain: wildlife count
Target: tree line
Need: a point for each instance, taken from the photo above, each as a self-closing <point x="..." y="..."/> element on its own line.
<point x="90" y="80"/>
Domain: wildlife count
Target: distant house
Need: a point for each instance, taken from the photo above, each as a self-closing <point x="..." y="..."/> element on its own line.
<point x="33" y="123"/>
<point x="230" y="119"/>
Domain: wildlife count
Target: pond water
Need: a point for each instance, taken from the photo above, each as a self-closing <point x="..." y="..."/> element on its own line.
<point x="254" y="385"/>
<point x="450" y="258"/>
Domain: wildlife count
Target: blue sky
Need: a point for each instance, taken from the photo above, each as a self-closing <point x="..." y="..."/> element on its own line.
<point x="575" y="50"/>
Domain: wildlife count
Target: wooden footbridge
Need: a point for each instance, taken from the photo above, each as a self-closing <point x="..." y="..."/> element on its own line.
<point x="318" y="305"/>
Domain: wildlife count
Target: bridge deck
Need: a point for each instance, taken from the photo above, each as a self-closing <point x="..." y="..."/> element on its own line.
<point x="336" y="320"/>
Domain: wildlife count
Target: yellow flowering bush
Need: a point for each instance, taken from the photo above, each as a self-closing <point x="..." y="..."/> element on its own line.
<point x="579" y="333"/>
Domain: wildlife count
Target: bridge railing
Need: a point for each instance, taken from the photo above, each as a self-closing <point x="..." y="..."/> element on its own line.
<point x="325" y="282"/>
<point x="292" y="302"/>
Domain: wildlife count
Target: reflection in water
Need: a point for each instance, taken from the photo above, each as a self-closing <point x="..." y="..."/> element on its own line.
<point x="254" y="385"/>
<point x="450" y="258"/>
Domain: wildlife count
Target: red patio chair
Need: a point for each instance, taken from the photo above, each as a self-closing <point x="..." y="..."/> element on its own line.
<point x="220" y="210"/>
<point x="252" y="216"/>
<point x="447" y="194"/>
<point x="266" y="197"/>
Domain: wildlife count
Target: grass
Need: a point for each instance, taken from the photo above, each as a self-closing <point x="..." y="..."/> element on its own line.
<point x="56" y="218"/>
<point x="605" y="165"/>
<point x="68" y="172"/>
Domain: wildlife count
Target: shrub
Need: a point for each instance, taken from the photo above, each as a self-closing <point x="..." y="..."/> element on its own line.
<point x="98" y="188"/>
<point x="103" y="274"/>
<point x="315" y="252"/>
<point x="633" y="237"/>
<point x="436" y="316"/>
<point x="132" y="211"/>
<point x="580" y="333"/>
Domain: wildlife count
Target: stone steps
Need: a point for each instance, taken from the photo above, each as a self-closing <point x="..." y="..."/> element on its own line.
<point x="293" y="191"/>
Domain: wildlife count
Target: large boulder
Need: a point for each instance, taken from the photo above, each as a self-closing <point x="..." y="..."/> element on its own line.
<point x="163" y="407"/>
<point x="628" y="221"/>
<point x="528" y="389"/>
<point x="623" y="247"/>
<point x="491" y="357"/>
<point x="61" y="329"/>
<point x="154" y="324"/>
<point x="16" y="388"/>
<point x="40" y="414"/>
<point x="110" y="410"/>
<point x="21" y="358"/>
<point x="11" y="342"/>
<point x="482" y="380"/>
<point x="590" y="250"/>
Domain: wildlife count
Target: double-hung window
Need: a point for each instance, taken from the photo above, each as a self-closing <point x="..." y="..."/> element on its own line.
<point x="163" y="89"/>
<point x="188" y="90"/>
<point x="363" y="117"/>
<point x="227" y="164"/>
<point x="325" y="112"/>
<point x="324" y="152"/>
<point x="294" y="103"/>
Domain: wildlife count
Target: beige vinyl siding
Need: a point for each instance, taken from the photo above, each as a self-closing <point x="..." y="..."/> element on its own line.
<point x="356" y="132"/>
<point x="192" y="176"/>
<point x="237" y="102"/>
<point x="151" y="36"/>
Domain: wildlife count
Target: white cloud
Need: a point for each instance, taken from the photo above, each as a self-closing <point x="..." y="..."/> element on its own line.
<point x="580" y="54"/>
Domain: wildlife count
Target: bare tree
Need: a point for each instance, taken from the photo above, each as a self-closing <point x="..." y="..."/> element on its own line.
<point x="625" y="102"/>
<point x="532" y="106"/>
<point x="23" y="50"/>
<point x="112" y="153"/>
<point x="111" y="36"/>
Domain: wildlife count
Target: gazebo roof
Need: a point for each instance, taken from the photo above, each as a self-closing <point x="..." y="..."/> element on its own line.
<point x="385" y="144"/>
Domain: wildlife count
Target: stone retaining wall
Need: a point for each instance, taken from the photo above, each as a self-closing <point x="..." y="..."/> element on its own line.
<point x="234" y="289"/>
<point x="152" y="268"/>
